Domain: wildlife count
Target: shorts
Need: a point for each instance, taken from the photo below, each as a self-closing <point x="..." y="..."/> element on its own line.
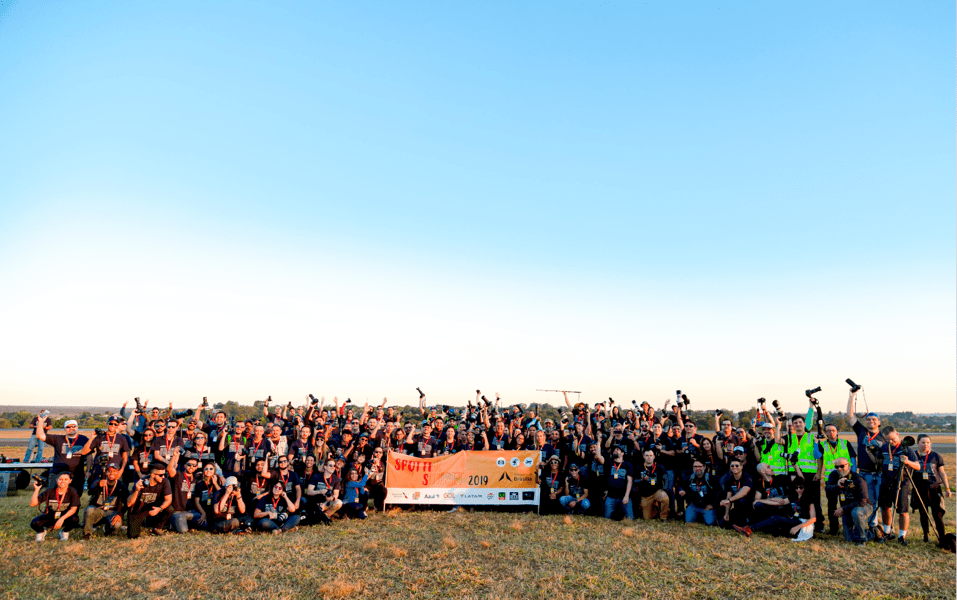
<point x="888" y="488"/>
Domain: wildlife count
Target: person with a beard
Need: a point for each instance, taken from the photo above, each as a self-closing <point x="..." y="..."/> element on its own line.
<point x="163" y="447"/>
<point x="895" y="486"/>
<point x="109" y="444"/>
<point x="278" y="445"/>
<point x="667" y="457"/>
<point x="620" y="480"/>
<point x="725" y="439"/>
<point x="850" y="489"/>
<point x="552" y="485"/>
<point x="108" y="498"/>
<point x="737" y="501"/>
<point x="276" y="511"/>
<point x="829" y="450"/>
<point x="928" y="483"/>
<point x="232" y="447"/>
<point x="700" y="493"/>
<point x="66" y="452"/>
<point x="771" y="493"/>
<point x="149" y="503"/>
<point x="60" y="505"/>
<point x="869" y="441"/>
<point x="228" y="507"/>
<point x="258" y="446"/>
<point x="798" y="524"/>
<point x="575" y="499"/>
<point x="205" y="492"/>
<point x="215" y="430"/>
<point x="650" y="488"/>
<point x="183" y="483"/>
<point x="809" y="465"/>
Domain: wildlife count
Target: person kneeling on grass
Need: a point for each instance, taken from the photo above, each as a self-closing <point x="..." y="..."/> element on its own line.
<point x="650" y="487"/>
<point x="59" y="505"/>
<point x="575" y="499"/>
<point x="275" y="512"/>
<point x="107" y="503"/>
<point x="149" y="503"/>
<point x="855" y="507"/>
<point x="351" y="506"/>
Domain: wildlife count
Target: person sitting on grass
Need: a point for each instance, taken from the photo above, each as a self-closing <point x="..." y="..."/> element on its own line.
<point x="59" y="506"/>
<point x="351" y="505"/>
<point x="575" y="499"/>
<point x="798" y="525"/>
<point x="149" y="503"/>
<point x="276" y="511"/>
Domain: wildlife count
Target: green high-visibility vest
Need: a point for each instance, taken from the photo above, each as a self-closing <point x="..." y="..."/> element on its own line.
<point x="832" y="453"/>
<point x="772" y="456"/>
<point x="805" y="449"/>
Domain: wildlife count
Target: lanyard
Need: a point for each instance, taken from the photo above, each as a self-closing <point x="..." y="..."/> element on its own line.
<point x="923" y="467"/>
<point x="870" y="438"/>
<point x="107" y="436"/>
<point x="169" y="444"/>
<point x="275" y="504"/>
<point x="258" y="484"/>
<point x="257" y="448"/>
<point x="59" y="501"/>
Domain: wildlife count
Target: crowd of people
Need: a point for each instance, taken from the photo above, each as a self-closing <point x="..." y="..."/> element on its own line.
<point x="312" y="465"/>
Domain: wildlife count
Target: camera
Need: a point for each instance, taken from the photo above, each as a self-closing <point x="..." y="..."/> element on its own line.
<point x="718" y="412"/>
<point x="313" y="400"/>
<point x="808" y="393"/>
<point x="103" y="460"/>
<point x="776" y="405"/>
<point x="205" y="402"/>
<point x="139" y="406"/>
<point x="761" y="401"/>
<point x="38" y="479"/>
<point x="183" y="414"/>
<point x="635" y="404"/>
<point x="348" y="400"/>
<point x="421" y="393"/>
<point x="99" y="431"/>
<point x="854" y="386"/>
<point x="685" y="399"/>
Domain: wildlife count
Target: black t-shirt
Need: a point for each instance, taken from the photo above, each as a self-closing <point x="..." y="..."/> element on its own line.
<point x="618" y="478"/>
<point x="868" y="449"/>
<point x="152" y="496"/>
<point x="577" y="486"/>
<point x="890" y="457"/>
<point x="56" y="503"/>
<point x="497" y="443"/>
<point x="260" y="484"/>
<point x="649" y="480"/>
<point x="854" y="491"/>
<point x="323" y="484"/>
<point x="112" y="447"/>
<point x="165" y="448"/>
<point x="271" y="504"/>
<point x="701" y="492"/>
<point x="800" y="507"/>
<point x="927" y="475"/>
<point x="733" y="487"/>
<point x="112" y="497"/>
<point x="289" y="482"/>
<point x="666" y="443"/>
<point x="690" y="452"/>
<point x="778" y="487"/>
<point x="183" y="488"/>
<point x="66" y="451"/>
<point x="205" y="494"/>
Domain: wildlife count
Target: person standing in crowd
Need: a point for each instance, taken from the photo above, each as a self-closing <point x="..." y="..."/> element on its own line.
<point x="809" y="466"/>
<point x="108" y="497"/>
<point x="35" y="443"/>
<point x="620" y="480"/>
<point x="928" y="483"/>
<point x="109" y="444"/>
<point x="895" y="485"/>
<point x="850" y="489"/>
<point x="67" y="457"/>
<point x="869" y="442"/>
<point x="829" y="450"/>
<point x="183" y="484"/>
<point x="60" y="505"/>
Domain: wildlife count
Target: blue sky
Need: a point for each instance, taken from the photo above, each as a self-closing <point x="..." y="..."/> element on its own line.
<point x="353" y="199"/>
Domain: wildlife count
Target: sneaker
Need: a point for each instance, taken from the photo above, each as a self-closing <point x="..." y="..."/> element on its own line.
<point x="64" y="536"/>
<point x="41" y="536"/>
<point x="901" y="541"/>
<point x="859" y="543"/>
<point x="454" y="509"/>
<point x="276" y="531"/>
<point x="159" y="531"/>
<point x="745" y="530"/>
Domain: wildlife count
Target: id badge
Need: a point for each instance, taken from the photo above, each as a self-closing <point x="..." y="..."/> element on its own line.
<point x="890" y="466"/>
<point x="57" y="514"/>
<point x="653" y="480"/>
<point x="922" y="475"/>
<point x="701" y="493"/>
<point x="797" y="515"/>
<point x="69" y="455"/>
<point x="842" y="497"/>
<point x="111" y="454"/>
<point x="229" y="516"/>
<point x="615" y="474"/>
<point x="189" y="495"/>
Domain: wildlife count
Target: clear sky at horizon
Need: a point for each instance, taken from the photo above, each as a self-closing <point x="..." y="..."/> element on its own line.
<point x="237" y="200"/>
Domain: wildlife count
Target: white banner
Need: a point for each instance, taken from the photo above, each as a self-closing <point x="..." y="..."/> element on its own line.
<point x="484" y="496"/>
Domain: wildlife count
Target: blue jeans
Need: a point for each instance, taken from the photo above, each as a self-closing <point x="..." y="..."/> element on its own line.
<point x="269" y="524"/>
<point x="855" y="523"/>
<point x="580" y="506"/>
<point x="873" y="481"/>
<point x="34" y="442"/>
<point x="670" y="488"/>
<point x="612" y="503"/>
<point x="692" y="513"/>
<point x="181" y="520"/>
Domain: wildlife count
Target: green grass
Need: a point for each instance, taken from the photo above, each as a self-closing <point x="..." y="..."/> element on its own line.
<point x="473" y="554"/>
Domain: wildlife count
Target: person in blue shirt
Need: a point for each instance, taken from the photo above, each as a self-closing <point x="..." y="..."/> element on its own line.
<point x="351" y="506"/>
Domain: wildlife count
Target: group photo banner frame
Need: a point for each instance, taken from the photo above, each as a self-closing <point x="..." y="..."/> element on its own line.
<point x="496" y="478"/>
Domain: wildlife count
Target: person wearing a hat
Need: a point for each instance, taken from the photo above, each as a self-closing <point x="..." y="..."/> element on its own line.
<point x="108" y="496"/>
<point x="66" y="452"/>
<point x="767" y="449"/>
<point x="869" y="442"/>
<point x="109" y="444"/>
<point x="552" y="484"/>
<point x="149" y="503"/>
<point x="229" y="506"/>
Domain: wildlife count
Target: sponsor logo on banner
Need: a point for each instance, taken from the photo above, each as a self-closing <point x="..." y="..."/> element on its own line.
<point x="448" y="495"/>
<point x="504" y="476"/>
<point x="529" y="462"/>
<point x="513" y="495"/>
<point x="429" y="496"/>
<point x="501" y="495"/>
<point x="490" y="496"/>
<point x="415" y="495"/>
<point x="500" y="461"/>
<point x="514" y="462"/>
<point x="528" y="495"/>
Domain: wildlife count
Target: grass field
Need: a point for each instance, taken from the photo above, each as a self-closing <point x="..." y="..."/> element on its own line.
<point x="474" y="554"/>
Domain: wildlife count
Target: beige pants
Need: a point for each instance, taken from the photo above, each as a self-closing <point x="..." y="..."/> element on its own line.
<point x="655" y="505"/>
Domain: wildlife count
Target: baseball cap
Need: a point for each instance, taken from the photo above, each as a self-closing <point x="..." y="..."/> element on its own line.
<point x="71" y="422"/>
<point x="232" y="481"/>
<point x="767" y="425"/>
<point x="739" y="449"/>
<point x="113" y="419"/>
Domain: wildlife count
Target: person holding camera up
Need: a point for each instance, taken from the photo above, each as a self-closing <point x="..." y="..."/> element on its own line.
<point x="60" y="505"/>
<point x="109" y="448"/>
<point x="229" y="506"/>
<point x="895" y="485"/>
<point x="182" y="481"/>
<point x="149" y="503"/>
<point x="108" y="498"/>
<point x="163" y="447"/>
<point x="869" y="441"/>
<point x="801" y="441"/>
<point x="66" y="451"/>
<point x="850" y="489"/>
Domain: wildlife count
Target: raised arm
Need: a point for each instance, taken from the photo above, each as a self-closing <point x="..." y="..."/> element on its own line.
<point x="851" y="417"/>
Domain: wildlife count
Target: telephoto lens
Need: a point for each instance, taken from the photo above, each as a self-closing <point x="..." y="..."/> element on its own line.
<point x="761" y="401"/>
<point x="854" y="386"/>
<point x="814" y="391"/>
<point x="634" y="403"/>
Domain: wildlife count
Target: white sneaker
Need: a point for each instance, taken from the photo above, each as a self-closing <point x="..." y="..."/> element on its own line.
<point x="41" y="536"/>
<point x="454" y="509"/>
<point x="64" y="536"/>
